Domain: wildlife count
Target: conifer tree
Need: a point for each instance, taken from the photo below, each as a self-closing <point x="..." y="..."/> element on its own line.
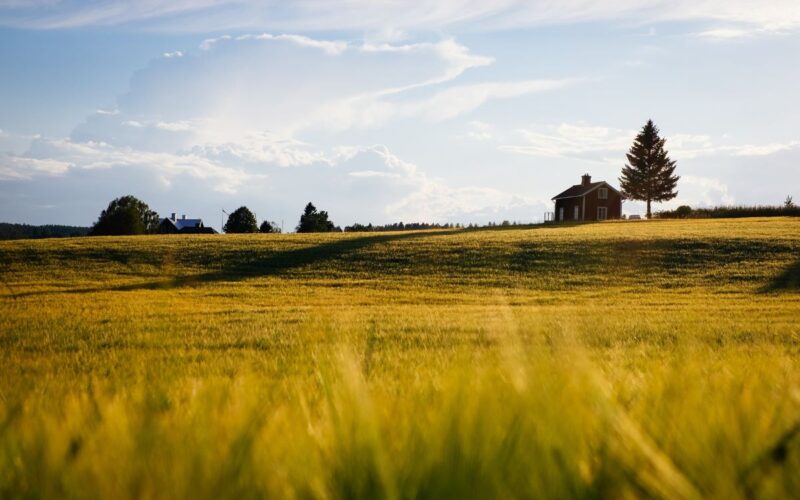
<point x="313" y="221"/>
<point x="649" y="175"/>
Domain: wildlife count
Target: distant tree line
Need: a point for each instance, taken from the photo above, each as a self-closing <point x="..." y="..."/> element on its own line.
<point x="26" y="231"/>
<point x="397" y="226"/>
<point x="128" y="215"/>
<point x="731" y="212"/>
<point x="421" y="226"/>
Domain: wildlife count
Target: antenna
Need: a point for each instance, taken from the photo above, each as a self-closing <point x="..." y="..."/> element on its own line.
<point x="221" y="218"/>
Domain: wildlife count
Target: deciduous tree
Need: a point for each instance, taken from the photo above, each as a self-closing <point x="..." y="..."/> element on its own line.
<point x="125" y="215"/>
<point x="269" y="227"/>
<point x="241" y="220"/>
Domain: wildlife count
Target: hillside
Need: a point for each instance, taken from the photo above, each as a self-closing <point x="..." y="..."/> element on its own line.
<point x="649" y="359"/>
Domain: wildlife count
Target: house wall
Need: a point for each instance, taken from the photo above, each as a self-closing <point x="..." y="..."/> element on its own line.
<point x="592" y="200"/>
<point x="166" y="227"/>
<point x="569" y="205"/>
<point x="613" y="204"/>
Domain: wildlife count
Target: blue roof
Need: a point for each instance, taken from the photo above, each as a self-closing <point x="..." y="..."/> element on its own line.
<point x="183" y="223"/>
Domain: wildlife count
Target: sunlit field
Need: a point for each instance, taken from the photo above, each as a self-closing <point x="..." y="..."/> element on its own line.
<point x="627" y="359"/>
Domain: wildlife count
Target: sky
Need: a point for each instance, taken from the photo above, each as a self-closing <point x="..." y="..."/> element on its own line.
<point x="382" y="111"/>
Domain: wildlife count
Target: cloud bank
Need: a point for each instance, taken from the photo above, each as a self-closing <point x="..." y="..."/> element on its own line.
<point x="206" y="122"/>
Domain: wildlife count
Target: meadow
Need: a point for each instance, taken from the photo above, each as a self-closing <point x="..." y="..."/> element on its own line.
<point x="652" y="359"/>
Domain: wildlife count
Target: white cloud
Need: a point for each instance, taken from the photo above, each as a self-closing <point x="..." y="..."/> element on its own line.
<point x="67" y="14"/>
<point x="726" y="33"/>
<point x="172" y="55"/>
<point x="14" y="144"/>
<point x="457" y="58"/>
<point x="179" y="126"/>
<point x="337" y="86"/>
<point x="702" y="191"/>
<point x="388" y="188"/>
<point x="224" y="130"/>
<point x="394" y="17"/>
<point x="21" y="168"/>
<point x="464" y="98"/>
<point x="480" y="131"/>
<point x="372" y="173"/>
<point x="373" y="109"/>
<point x="740" y="32"/>
<point x="436" y="201"/>
<point x="208" y="43"/>
<point x="571" y="141"/>
<point x="763" y="149"/>
<point x="48" y="157"/>
<point x="422" y="198"/>
<point x="330" y="47"/>
<point x="263" y="149"/>
<point x="595" y="143"/>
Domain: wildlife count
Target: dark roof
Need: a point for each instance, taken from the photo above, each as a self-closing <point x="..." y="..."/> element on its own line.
<point x="181" y="224"/>
<point x="580" y="190"/>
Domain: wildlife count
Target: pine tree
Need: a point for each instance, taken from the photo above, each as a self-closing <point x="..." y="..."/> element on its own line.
<point x="649" y="174"/>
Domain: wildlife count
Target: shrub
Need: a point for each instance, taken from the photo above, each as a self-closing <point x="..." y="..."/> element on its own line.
<point x="683" y="211"/>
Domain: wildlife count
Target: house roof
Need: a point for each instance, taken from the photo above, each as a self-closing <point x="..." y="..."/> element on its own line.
<point x="183" y="223"/>
<point x="579" y="190"/>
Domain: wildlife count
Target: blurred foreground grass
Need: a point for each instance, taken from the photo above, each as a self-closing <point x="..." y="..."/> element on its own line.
<point x="641" y="359"/>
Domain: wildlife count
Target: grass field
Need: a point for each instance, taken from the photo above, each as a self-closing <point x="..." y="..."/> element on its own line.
<point x="638" y="359"/>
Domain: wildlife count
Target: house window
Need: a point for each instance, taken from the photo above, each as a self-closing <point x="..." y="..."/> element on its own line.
<point x="602" y="213"/>
<point x="577" y="213"/>
<point x="602" y="193"/>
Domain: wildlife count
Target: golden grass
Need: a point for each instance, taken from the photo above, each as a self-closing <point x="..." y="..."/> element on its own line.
<point x="640" y="359"/>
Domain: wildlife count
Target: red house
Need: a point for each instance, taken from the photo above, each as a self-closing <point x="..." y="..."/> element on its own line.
<point x="588" y="201"/>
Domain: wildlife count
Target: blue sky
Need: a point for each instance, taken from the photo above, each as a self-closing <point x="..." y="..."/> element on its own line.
<point x="445" y="111"/>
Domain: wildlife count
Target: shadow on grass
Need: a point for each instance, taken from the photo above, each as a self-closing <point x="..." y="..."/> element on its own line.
<point x="546" y="264"/>
<point x="251" y="264"/>
<point x="788" y="280"/>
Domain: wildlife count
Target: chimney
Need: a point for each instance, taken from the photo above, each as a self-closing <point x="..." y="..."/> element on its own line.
<point x="173" y="216"/>
<point x="586" y="179"/>
<point x="183" y="217"/>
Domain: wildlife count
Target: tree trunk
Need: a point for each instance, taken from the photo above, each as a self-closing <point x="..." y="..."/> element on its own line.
<point x="649" y="215"/>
